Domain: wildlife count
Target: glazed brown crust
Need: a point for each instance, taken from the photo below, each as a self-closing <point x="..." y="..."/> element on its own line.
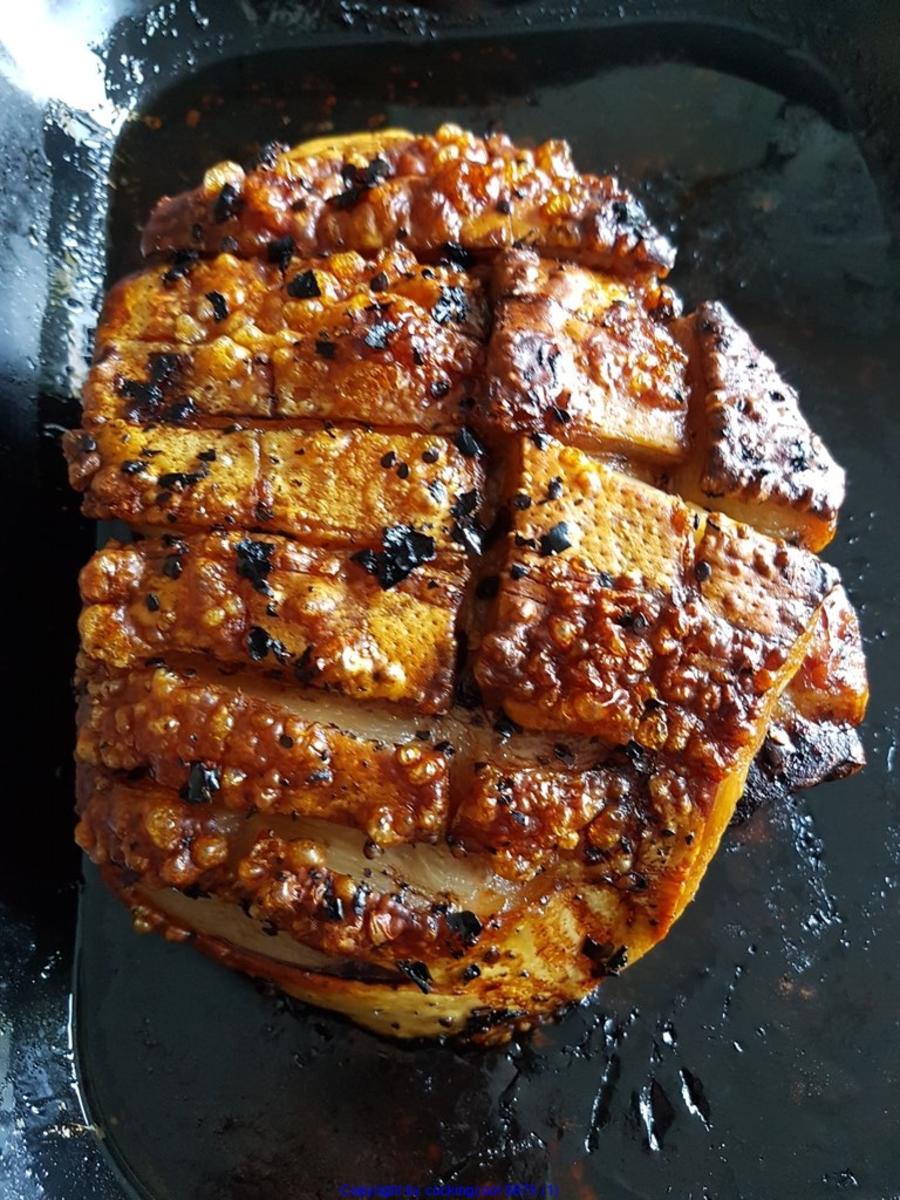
<point x="255" y="296"/>
<point x="245" y="339"/>
<point x="324" y="485"/>
<point x="755" y="457"/>
<point x="453" y="718"/>
<point x="263" y="755"/>
<point x="577" y="355"/>
<point x="373" y="191"/>
<point x="314" y="616"/>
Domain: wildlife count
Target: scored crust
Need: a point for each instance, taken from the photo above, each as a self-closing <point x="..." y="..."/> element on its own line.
<point x="456" y="614"/>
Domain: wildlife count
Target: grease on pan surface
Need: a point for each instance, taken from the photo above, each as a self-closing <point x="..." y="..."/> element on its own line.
<point x="458" y="612"/>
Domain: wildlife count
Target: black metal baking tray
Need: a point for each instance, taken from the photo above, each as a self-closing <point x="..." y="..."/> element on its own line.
<point x="755" y="1054"/>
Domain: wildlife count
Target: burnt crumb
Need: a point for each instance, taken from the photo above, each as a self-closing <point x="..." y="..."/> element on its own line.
<point x="554" y="488"/>
<point x="480" y="1020"/>
<point x="403" y="471"/>
<point x="202" y="784"/>
<point x="503" y="207"/>
<point x="455" y="255"/>
<point x="378" y="335"/>
<point x="152" y="602"/>
<point x="254" y="562"/>
<point x="207" y="456"/>
<point x="304" y="286"/>
<point x="402" y="550"/>
<point x="280" y="251"/>
<point x="172" y="566"/>
<point x="555" y="540"/>
<point x="325" y="347"/>
<point x="437" y="490"/>
<point x="518" y="571"/>
<point x="379" y="282"/>
<point x="639" y="758"/>
<point x="431" y="455"/>
<point x="488" y="587"/>
<point x="132" y="466"/>
<point x="471" y="972"/>
<point x="148" y="396"/>
<point x="286" y="741"/>
<point x="178" y="480"/>
<point x="468" y="535"/>
<point x="229" y="203"/>
<point x="331" y="906"/>
<point x="465" y="504"/>
<point x="564" y="753"/>
<point x="178" y="412"/>
<point x="505" y="726"/>
<point x="360" y="180"/>
<point x="605" y="958"/>
<point x="468" y="444"/>
<point x="521" y="501"/>
<point x="182" y="265"/>
<point x="464" y="925"/>
<point x="260" y="643"/>
<point x="263" y="511"/>
<point x="389" y="459"/>
<point x="702" y="570"/>
<point x="439" y="388"/>
<point x="267" y="155"/>
<point x="451" y="305"/>
<point x="306" y="668"/>
<point x="87" y="444"/>
<point x="417" y="972"/>
<point x="219" y="305"/>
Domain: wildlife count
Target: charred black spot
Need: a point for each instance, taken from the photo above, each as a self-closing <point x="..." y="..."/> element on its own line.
<point x="402" y="550"/>
<point x="219" y="305"/>
<point x="464" y="925"/>
<point x="418" y="973"/>
<point x="451" y="305"/>
<point x="555" y="540"/>
<point x="360" y="180"/>
<point x="304" y="286"/>
<point x="280" y="251"/>
<point x="254" y="562"/>
<point x="229" y="203"/>
<point x="605" y="958"/>
<point x="202" y="784"/>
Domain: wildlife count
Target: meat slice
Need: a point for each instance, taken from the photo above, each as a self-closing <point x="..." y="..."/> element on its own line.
<point x="256" y="745"/>
<point x="337" y="487"/>
<point x="390" y="343"/>
<point x="455" y="619"/>
<point x="812" y="738"/>
<point x="366" y="192"/>
<point x="638" y="621"/>
<point x="316" y="616"/>
<point x="576" y="354"/>
<point x="753" y="456"/>
<point x="243" y="298"/>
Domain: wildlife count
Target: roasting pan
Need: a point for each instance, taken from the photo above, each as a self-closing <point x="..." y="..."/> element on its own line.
<point x="755" y="1055"/>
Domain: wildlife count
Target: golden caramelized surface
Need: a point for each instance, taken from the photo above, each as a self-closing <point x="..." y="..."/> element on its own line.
<point x="390" y="342"/>
<point x="576" y="354"/>
<point x="427" y="192"/>
<point x="315" y="616"/>
<point x="333" y="486"/>
<point x="457" y="608"/>
<point x="753" y="454"/>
